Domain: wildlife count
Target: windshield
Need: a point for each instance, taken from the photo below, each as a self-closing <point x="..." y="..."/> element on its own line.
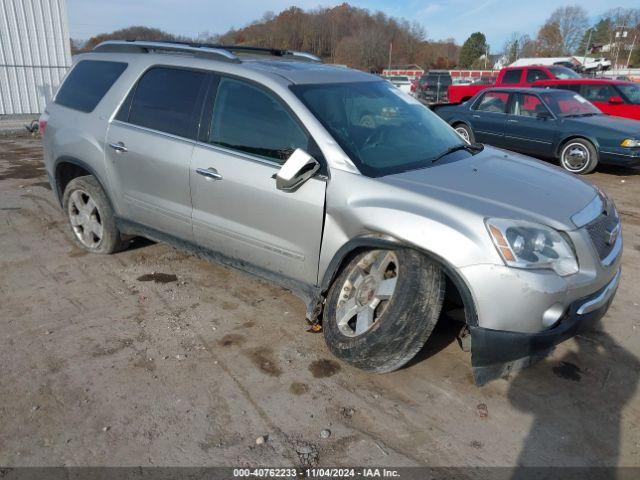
<point x="563" y="73"/>
<point x="631" y="93"/>
<point x="568" y="104"/>
<point x="382" y="129"/>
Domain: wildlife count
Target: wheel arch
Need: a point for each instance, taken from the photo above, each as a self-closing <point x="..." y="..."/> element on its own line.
<point x="366" y="242"/>
<point x="576" y="136"/>
<point x="66" y="168"/>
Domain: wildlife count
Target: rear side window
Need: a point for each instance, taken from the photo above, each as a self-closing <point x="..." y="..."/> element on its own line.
<point x="512" y="76"/>
<point x="534" y="74"/>
<point x="168" y="100"/>
<point x="87" y="83"/>
<point x="252" y="120"/>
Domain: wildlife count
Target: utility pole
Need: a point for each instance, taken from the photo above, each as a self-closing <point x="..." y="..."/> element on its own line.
<point x="486" y="56"/>
<point x="586" y="47"/>
<point x="621" y="34"/>
<point x="390" y="50"/>
<point x="633" y="44"/>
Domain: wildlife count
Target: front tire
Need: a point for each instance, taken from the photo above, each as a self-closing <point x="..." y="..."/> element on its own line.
<point x="91" y="217"/>
<point x="465" y="132"/>
<point x="382" y="308"/>
<point x="579" y="156"/>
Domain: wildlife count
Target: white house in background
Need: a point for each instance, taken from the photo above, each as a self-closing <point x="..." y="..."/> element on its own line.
<point x="34" y="53"/>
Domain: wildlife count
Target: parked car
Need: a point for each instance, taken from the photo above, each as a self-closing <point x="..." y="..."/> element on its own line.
<point x="263" y="162"/>
<point x="511" y="77"/>
<point x="613" y="97"/>
<point x="400" y="81"/>
<point x="433" y="86"/>
<point x="553" y="124"/>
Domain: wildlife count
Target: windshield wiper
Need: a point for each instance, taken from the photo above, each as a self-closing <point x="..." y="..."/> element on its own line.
<point x="475" y="148"/>
<point x="581" y="114"/>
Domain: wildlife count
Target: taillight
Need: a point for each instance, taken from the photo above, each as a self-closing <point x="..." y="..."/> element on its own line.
<point x="42" y="126"/>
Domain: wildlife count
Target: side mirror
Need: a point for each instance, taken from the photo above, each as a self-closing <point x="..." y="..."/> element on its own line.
<point x="299" y="167"/>
<point x="615" y="100"/>
<point x="546" y="115"/>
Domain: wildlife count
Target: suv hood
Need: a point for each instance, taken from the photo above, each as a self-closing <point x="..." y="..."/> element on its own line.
<point x="496" y="183"/>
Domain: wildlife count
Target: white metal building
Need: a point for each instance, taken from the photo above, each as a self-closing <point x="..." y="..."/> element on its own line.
<point x="34" y="53"/>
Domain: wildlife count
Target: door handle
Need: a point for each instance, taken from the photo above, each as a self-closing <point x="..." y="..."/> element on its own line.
<point x="210" y="172"/>
<point x="475" y="116"/>
<point x="510" y="120"/>
<point x="118" y="147"/>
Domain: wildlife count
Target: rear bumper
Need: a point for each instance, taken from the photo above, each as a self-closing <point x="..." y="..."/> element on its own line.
<point x="495" y="353"/>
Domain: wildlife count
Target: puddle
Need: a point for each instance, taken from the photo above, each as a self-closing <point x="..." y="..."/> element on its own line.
<point x="158" y="277"/>
<point x="231" y="340"/>
<point x="298" y="388"/>
<point x="23" y="169"/>
<point x="263" y="359"/>
<point x="324" y="368"/>
<point x="568" y="371"/>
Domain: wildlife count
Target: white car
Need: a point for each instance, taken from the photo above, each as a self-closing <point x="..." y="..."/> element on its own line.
<point x="400" y="81"/>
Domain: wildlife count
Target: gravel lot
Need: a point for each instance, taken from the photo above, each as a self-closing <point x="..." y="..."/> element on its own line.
<point x="107" y="362"/>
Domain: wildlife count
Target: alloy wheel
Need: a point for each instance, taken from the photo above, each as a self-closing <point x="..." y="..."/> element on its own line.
<point x="85" y="219"/>
<point x="366" y="292"/>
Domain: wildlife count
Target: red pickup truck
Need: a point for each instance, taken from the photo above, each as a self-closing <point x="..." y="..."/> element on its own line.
<point x="613" y="97"/>
<point x="513" y="77"/>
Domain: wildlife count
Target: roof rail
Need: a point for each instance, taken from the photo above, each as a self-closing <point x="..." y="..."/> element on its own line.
<point x="138" y="46"/>
<point x="222" y="52"/>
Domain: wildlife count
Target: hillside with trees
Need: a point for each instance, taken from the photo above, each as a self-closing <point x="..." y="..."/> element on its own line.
<point x="370" y="41"/>
<point x="343" y="34"/>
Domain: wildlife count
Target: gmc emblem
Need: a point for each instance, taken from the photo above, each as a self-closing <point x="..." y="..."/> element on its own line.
<point x="612" y="235"/>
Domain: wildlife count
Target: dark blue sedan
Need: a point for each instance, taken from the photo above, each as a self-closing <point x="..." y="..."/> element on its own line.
<point x="553" y="124"/>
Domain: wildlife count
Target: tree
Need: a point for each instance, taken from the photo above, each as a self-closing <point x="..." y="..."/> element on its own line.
<point x="549" y="40"/>
<point x="472" y="49"/>
<point x="600" y="34"/>
<point x="571" y="22"/>
<point x="519" y="45"/>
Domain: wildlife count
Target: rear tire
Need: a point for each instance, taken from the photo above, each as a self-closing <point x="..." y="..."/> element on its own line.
<point x="91" y="218"/>
<point x="465" y="132"/>
<point x="579" y="156"/>
<point x="398" y="293"/>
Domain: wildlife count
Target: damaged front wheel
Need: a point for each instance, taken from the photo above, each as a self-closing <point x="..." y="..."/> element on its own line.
<point x="382" y="308"/>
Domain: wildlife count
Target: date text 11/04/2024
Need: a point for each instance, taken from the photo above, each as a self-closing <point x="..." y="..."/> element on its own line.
<point x="316" y="473"/>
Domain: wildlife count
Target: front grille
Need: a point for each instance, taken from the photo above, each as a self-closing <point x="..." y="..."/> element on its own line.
<point x="600" y="232"/>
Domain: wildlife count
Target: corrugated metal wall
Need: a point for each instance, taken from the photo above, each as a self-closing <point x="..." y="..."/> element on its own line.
<point x="34" y="53"/>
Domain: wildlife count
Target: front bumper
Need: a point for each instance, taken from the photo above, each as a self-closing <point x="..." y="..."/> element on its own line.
<point x="495" y="353"/>
<point x="627" y="157"/>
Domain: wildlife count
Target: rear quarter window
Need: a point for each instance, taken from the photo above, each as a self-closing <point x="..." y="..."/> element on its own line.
<point x="87" y="84"/>
<point x="512" y="76"/>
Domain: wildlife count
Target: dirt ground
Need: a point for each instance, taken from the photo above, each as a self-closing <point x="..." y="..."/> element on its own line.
<point x="154" y="357"/>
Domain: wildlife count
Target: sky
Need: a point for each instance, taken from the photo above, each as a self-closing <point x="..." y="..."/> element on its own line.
<point x="441" y="19"/>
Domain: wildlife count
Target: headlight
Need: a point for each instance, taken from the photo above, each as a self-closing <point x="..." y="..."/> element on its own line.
<point x="630" y="142"/>
<point x="523" y="244"/>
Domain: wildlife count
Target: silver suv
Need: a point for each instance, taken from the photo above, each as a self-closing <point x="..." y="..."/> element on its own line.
<point x="338" y="186"/>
